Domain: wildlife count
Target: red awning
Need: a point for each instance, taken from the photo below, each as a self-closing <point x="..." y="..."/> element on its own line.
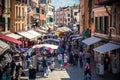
<point x="10" y="39"/>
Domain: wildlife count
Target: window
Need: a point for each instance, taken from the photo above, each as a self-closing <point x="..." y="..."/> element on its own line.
<point x="19" y="12"/>
<point x="43" y="1"/>
<point x="8" y="23"/>
<point x="37" y="10"/>
<point x="16" y="11"/>
<point x="43" y="11"/>
<point x="51" y="19"/>
<point x="68" y="15"/>
<point x="75" y="13"/>
<point x="105" y="24"/>
<point x="23" y="12"/>
<point x="101" y="24"/>
<point x="96" y="24"/>
<point x="3" y="24"/>
<point x="68" y="19"/>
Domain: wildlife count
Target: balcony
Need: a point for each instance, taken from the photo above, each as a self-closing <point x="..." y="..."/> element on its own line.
<point x="106" y="2"/>
<point x="6" y="11"/>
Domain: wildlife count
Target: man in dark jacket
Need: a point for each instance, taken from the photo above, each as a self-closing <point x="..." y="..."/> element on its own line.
<point x="44" y="64"/>
<point x="32" y="73"/>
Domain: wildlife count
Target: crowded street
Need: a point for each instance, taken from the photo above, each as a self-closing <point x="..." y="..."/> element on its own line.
<point x="59" y="39"/>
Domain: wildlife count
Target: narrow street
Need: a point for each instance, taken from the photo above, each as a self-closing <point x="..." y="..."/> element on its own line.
<point x="73" y="73"/>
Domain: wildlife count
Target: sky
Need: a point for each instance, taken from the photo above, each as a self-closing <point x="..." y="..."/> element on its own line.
<point x="64" y="3"/>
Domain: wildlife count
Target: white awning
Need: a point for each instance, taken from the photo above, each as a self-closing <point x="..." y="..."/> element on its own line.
<point x="15" y="36"/>
<point x="27" y="35"/>
<point x="3" y="47"/>
<point x="46" y="45"/>
<point x="91" y="40"/>
<point x="34" y="33"/>
<point x="107" y="47"/>
<point x="43" y="31"/>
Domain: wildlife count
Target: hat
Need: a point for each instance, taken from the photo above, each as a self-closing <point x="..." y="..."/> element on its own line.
<point x="31" y="65"/>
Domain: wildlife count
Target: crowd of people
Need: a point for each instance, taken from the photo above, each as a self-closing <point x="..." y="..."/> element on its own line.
<point x="70" y="53"/>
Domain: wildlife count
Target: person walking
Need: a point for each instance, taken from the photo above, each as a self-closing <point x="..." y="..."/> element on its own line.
<point x="32" y="73"/>
<point x="87" y="71"/>
<point x="60" y="58"/>
<point x="65" y="61"/>
<point x="18" y="71"/>
<point x="45" y="66"/>
<point x="81" y="60"/>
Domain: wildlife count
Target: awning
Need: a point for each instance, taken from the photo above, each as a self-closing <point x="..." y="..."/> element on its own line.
<point x="91" y="40"/>
<point x="34" y="33"/>
<point x="3" y="47"/>
<point x="10" y="39"/>
<point x="51" y="39"/>
<point x="46" y="45"/>
<point x="15" y="36"/>
<point x="27" y="35"/>
<point x="43" y="31"/>
<point x="107" y="47"/>
<point x="79" y="37"/>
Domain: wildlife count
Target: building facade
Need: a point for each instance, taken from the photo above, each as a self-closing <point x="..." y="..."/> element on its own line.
<point x="17" y="15"/>
<point x="59" y="16"/>
<point x="5" y="15"/>
<point x="106" y="27"/>
<point x="76" y="16"/>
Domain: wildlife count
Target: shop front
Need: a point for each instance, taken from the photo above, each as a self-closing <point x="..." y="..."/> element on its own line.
<point x="107" y="57"/>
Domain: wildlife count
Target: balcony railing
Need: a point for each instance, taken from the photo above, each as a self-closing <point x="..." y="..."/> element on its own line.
<point x="7" y="11"/>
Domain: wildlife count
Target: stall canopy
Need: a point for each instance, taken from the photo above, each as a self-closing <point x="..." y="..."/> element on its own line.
<point x="51" y="39"/>
<point x="10" y="39"/>
<point x="3" y="47"/>
<point x="15" y="36"/>
<point x="27" y="35"/>
<point x="107" y="47"/>
<point x="91" y="40"/>
<point x="64" y="29"/>
<point x="34" y="33"/>
<point x="46" y="45"/>
<point x="75" y="38"/>
<point x="43" y="31"/>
